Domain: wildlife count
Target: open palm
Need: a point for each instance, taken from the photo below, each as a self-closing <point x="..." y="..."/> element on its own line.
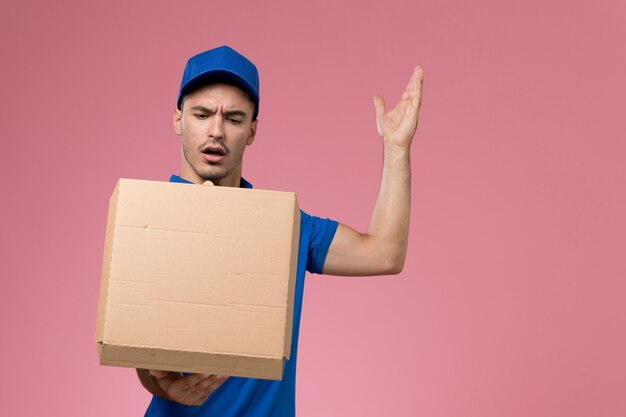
<point x="397" y="126"/>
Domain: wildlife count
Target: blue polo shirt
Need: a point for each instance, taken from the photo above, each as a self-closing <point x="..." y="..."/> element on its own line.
<point x="250" y="397"/>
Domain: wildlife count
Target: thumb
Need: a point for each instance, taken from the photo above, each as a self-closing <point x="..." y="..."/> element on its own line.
<point x="379" y="103"/>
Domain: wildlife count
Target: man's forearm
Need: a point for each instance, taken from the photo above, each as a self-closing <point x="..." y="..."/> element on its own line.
<point x="389" y="224"/>
<point x="382" y="249"/>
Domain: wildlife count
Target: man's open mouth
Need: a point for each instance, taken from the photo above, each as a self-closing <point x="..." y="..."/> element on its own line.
<point x="214" y="150"/>
<point x="214" y="154"/>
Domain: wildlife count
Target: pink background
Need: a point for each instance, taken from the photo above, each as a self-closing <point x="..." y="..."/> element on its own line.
<point x="512" y="301"/>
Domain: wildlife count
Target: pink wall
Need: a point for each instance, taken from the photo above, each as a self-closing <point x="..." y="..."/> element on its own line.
<point x="512" y="299"/>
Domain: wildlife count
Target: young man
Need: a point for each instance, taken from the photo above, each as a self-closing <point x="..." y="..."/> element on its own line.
<point x="216" y="119"/>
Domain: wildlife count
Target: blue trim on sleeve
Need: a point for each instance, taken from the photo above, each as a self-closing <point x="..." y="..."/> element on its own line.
<point x="323" y="232"/>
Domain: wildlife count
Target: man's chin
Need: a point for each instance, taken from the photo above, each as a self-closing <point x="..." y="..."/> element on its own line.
<point x="218" y="174"/>
<point x="212" y="175"/>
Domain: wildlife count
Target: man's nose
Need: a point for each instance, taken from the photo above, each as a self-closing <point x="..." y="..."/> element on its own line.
<point x="216" y="127"/>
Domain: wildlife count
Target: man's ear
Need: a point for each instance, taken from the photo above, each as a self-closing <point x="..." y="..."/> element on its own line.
<point x="252" y="131"/>
<point x="178" y="116"/>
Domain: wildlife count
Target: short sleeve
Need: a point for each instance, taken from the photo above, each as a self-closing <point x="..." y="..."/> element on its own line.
<point x="321" y="233"/>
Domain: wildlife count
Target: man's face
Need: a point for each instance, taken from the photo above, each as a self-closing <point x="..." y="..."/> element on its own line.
<point x="215" y="125"/>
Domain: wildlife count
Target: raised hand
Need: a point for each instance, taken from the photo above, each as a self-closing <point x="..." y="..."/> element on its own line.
<point x="397" y="126"/>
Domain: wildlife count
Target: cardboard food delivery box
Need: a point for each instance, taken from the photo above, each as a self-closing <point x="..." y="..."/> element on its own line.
<point x="198" y="278"/>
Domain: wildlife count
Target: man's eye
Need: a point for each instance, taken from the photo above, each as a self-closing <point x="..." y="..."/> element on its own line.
<point x="201" y="116"/>
<point x="235" y="121"/>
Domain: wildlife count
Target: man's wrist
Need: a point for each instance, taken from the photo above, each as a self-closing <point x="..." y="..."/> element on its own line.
<point x="395" y="150"/>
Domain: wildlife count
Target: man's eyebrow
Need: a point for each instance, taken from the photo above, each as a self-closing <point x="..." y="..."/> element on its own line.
<point x="200" y="107"/>
<point x="235" y="113"/>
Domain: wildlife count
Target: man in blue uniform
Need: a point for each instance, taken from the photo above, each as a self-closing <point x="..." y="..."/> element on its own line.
<point x="216" y="119"/>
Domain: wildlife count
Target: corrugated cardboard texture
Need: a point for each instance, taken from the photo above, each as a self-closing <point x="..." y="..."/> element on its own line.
<point x="198" y="279"/>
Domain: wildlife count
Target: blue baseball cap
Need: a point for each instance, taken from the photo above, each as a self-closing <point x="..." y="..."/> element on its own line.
<point x="222" y="64"/>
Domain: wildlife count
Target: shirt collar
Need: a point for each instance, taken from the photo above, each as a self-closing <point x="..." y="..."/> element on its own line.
<point x="242" y="184"/>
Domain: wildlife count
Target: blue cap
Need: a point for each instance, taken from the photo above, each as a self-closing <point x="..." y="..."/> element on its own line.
<point x="222" y="64"/>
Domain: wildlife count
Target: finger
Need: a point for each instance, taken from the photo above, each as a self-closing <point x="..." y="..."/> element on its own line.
<point x="419" y="78"/>
<point x="190" y="381"/>
<point x="214" y="385"/>
<point x="161" y="375"/>
<point x="199" y="393"/>
<point x="416" y="78"/>
<point x="219" y="380"/>
<point x="379" y="104"/>
<point x="419" y="72"/>
<point x="211" y="383"/>
<point x="415" y="86"/>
